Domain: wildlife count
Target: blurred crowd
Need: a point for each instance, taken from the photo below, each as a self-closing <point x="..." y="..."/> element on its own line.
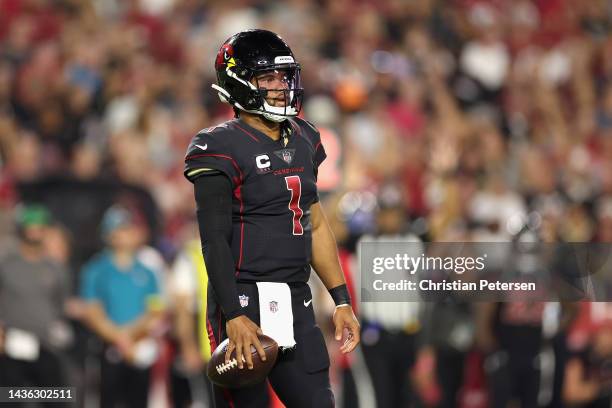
<point x="443" y="120"/>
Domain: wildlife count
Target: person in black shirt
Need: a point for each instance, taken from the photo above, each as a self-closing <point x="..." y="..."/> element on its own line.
<point x="588" y="373"/>
<point x="262" y="227"/>
<point x="511" y="334"/>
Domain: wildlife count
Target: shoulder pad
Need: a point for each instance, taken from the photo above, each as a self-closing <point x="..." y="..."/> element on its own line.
<point x="211" y="140"/>
<point x="308" y="131"/>
<point x="303" y="123"/>
<point x="210" y="151"/>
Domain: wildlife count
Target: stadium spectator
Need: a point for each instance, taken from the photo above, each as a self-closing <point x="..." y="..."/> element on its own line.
<point x="448" y="331"/>
<point x="34" y="289"/>
<point x="124" y="309"/>
<point x="187" y="285"/>
<point x="389" y="329"/>
<point x="511" y="364"/>
<point x="587" y="372"/>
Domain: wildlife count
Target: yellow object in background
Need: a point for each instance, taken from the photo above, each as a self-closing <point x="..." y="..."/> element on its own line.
<point x="195" y="253"/>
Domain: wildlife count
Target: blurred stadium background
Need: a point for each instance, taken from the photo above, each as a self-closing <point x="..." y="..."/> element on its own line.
<point x="452" y="120"/>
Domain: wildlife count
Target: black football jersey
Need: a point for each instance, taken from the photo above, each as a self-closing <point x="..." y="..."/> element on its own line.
<point x="274" y="186"/>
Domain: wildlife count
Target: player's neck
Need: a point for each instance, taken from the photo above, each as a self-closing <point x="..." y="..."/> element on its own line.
<point x="267" y="127"/>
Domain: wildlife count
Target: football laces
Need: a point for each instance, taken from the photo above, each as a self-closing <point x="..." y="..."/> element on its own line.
<point x="225" y="367"/>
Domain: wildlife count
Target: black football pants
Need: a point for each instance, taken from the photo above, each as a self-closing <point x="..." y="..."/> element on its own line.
<point x="300" y="376"/>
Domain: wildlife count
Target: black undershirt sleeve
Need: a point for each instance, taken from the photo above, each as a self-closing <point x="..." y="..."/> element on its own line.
<point x="213" y="193"/>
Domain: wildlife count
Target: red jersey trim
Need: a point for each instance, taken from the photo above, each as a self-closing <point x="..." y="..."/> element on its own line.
<point x="247" y="133"/>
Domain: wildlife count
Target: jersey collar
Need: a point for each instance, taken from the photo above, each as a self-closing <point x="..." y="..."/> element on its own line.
<point x="287" y="131"/>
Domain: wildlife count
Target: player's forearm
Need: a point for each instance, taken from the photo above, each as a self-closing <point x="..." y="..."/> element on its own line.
<point x="214" y="200"/>
<point x="220" y="268"/>
<point x="325" y="259"/>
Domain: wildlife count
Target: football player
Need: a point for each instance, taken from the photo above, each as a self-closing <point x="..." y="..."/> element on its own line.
<point x="262" y="227"/>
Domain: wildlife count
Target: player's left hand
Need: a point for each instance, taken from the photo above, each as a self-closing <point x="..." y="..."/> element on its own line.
<point x="344" y="318"/>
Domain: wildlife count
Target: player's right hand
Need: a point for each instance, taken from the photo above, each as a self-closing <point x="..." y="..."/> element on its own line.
<point x="242" y="333"/>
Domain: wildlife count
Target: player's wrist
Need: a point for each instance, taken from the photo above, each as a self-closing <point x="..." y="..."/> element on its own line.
<point x="340" y="295"/>
<point x="234" y="314"/>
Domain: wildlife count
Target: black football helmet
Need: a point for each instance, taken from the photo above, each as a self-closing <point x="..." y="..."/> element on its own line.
<point x="246" y="55"/>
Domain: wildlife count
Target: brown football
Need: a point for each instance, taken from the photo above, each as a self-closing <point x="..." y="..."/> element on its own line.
<point x="230" y="376"/>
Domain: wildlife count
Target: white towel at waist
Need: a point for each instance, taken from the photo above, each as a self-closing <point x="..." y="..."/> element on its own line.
<point x="275" y="312"/>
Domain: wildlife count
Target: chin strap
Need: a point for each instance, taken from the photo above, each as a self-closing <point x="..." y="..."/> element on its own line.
<point x="273" y="117"/>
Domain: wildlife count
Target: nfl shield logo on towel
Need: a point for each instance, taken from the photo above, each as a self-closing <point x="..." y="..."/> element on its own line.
<point x="274" y="306"/>
<point x="244" y="300"/>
